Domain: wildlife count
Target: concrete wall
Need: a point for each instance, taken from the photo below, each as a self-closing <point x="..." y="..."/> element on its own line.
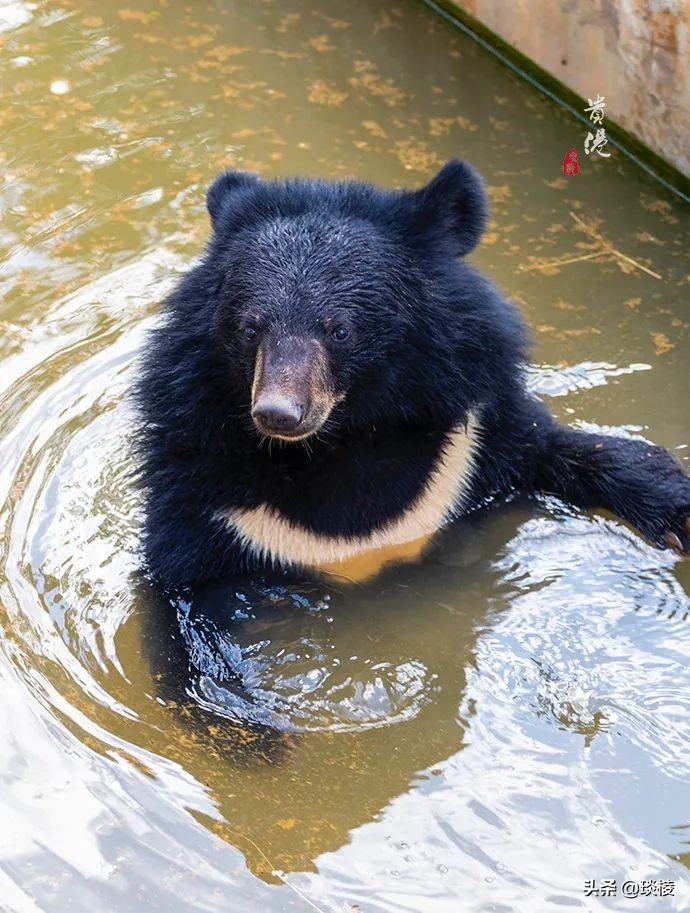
<point x="636" y="53"/>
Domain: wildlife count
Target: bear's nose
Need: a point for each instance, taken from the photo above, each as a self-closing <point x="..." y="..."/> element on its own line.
<point x="277" y="413"/>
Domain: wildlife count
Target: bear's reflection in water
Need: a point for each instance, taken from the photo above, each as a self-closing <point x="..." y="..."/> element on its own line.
<point x="305" y="707"/>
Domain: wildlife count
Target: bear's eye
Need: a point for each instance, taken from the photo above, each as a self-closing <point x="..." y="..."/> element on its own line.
<point x="340" y="334"/>
<point x="251" y="334"/>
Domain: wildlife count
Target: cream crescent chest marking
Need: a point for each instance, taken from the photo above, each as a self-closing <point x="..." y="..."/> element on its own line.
<point x="266" y="533"/>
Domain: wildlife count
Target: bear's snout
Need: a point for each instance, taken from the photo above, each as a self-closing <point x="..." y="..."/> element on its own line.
<point x="291" y="392"/>
<point x="277" y="414"/>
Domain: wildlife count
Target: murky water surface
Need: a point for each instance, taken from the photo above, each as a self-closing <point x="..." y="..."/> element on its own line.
<point x="482" y="730"/>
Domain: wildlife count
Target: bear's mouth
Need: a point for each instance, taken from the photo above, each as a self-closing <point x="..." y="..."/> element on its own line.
<point x="281" y="419"/>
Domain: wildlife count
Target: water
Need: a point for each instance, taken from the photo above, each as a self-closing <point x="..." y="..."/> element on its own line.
<point x="483" y="729"/>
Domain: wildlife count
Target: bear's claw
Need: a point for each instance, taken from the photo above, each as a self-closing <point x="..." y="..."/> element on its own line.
<point x="674" y="541"/>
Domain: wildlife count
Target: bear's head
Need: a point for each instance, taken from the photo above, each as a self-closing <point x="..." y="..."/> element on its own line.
<point x="341" y="304"/>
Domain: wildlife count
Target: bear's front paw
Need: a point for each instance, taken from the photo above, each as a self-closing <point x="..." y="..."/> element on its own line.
<point x="678" y="538"/>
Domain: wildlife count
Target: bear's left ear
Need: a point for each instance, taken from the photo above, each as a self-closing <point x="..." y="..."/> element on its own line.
<point x="223" y="188"/>
<point x="455" y="203"/>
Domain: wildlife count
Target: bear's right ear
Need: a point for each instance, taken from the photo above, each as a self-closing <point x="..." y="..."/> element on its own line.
<point x="455" y="203"/>
<point x="224" y="187"/>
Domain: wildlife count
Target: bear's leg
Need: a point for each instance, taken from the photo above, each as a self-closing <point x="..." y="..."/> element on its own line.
<point x="181" y="643"/>
<point x="642" y="483"/>
<point x="182" y="550"/>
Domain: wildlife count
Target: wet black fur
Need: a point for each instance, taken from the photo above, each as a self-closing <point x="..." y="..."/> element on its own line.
<point x="431" y="338"/>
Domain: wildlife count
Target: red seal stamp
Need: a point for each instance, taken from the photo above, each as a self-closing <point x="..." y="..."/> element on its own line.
<point x="570" y="163"/>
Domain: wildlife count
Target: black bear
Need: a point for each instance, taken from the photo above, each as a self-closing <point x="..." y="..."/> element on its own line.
<point x="334" y="377"/>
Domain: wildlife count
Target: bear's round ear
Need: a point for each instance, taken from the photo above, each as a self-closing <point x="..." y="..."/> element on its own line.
<point x="455" y="203"/>
<point x="222" y="189"/>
